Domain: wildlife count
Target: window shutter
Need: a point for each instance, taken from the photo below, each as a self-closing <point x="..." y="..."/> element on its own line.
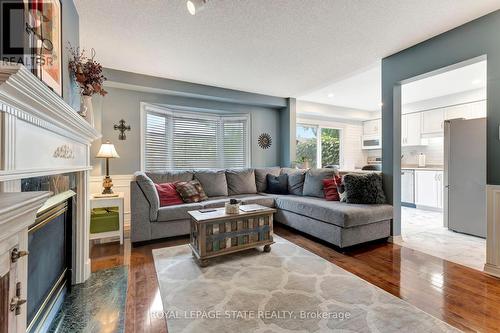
<point x="181" y="140"/>
<point x="195" y="143"/>
<point x="235" y="143"/>
<point x="156" y="152"/>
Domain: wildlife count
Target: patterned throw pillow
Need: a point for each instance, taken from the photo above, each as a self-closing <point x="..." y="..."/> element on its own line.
<point x="191" y="191"/>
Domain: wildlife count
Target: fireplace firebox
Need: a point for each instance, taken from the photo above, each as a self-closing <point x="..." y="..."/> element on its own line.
<point x="50" y="246"/>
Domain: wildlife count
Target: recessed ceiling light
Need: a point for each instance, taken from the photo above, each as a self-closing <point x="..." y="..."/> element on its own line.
<point x="195" y="6"/>
<point x="331" y="95"/>
<point x="477" y="82"/>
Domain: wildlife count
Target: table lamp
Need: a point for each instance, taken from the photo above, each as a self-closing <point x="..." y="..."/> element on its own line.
<point x="107" y="151"/>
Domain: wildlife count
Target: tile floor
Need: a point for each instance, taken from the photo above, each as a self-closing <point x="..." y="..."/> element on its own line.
<point x="423" y="231"/>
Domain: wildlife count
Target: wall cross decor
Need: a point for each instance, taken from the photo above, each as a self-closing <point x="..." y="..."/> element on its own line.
<point x="122" y="128"/>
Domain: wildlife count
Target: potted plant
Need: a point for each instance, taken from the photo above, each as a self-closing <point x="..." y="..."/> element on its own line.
<point x="88" y="75"/>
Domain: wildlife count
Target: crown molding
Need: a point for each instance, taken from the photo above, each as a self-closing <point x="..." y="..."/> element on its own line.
<point x="24" y="96"/>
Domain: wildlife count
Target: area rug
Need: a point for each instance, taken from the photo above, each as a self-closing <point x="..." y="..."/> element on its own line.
<point x="286" y="290"/>
<point x="96" y="306"/>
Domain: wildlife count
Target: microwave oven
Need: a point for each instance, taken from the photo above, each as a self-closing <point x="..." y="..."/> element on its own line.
<point x="372" y="142"/>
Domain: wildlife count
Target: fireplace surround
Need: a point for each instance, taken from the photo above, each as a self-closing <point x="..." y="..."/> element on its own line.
<point x="41" y="135"/>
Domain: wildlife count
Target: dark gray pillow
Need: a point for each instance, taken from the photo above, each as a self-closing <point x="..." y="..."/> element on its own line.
<point x="295" y="180"/>
<point x="313" y="184"/>
<point x="364" y="189"/>
<point x="277" y="184"/>
<point x="213" y="182"/>
<point x="241" y="181"/>
<point x="261" y="177"/>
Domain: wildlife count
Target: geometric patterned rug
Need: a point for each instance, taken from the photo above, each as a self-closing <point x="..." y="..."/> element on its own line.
<point x="287" y="290"/>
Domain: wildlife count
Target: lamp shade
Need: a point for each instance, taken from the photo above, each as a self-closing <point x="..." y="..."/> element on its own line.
<point x="107" y="151"/>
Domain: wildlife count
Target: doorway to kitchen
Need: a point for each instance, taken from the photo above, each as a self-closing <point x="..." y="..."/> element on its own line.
<point x="443" y="164"/>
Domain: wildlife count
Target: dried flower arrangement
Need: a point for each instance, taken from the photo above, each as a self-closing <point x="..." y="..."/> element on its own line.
<point x="87" y="72"/>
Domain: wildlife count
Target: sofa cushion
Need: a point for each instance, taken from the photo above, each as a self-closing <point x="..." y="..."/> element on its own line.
<point x="295" y="180"/>
<point x="191" y="191"/>
<point x="338" y="213"/>
<point x="213" y="182"/>
<point x="241" y="181"/>
<point x="147" y="187"/>
<point x="260" y="177"/>
<point x="364" y="189"/>
<point x="168" y="194"/>
<point x="313" y="183"/>
<point x="179" y="212"/>
<point x="277" y="184"/>
<point x="246" y="199"/>
<point x="170" y="176"/>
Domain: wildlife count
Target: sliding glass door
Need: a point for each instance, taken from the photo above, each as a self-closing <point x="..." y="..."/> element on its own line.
<point x="318" y="146"/>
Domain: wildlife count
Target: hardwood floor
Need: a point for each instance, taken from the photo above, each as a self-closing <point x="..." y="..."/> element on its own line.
<point x="461" y="296"/>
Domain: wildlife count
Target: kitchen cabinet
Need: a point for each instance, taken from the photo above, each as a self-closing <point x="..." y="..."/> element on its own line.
<point x="429" y="188"/>
<point x="411" y="130"/>
<point x="408" y="187"/>
<point x="433" y="123"/>
<point x="372" y="128"/>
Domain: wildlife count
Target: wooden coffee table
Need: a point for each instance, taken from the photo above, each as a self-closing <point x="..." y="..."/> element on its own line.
<point x="216" y="233"/>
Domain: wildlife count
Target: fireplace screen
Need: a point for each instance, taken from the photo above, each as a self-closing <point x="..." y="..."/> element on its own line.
<point x="50" y="243"/>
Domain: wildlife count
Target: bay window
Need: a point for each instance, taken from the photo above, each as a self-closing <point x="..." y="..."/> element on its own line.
<point x="186" y="140"/>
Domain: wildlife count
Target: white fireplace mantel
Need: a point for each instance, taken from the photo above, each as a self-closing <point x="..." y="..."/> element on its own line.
<point x="40" y="134"/>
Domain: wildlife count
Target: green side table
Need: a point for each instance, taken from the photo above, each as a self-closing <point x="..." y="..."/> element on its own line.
<point x="104" y="211"/>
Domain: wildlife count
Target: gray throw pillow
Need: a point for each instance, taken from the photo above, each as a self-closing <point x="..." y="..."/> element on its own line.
<point x="313" y="184"/>
<point x="241" y="181"/>
<point x="213" y="182"/>
<point x="295" y="180"/>
<point x="364" y="189"/>
<point x="148" y="188"/>
<point x="260" y="177"/>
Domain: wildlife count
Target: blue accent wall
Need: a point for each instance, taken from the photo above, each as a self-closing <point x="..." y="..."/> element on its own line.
<point x="476" y="39"/>
<point x="71" y="35"/>
<point x="126" y="92"/>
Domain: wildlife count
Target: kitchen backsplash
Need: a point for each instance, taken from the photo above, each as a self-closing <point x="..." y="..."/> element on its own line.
<point x="434" y="153"/>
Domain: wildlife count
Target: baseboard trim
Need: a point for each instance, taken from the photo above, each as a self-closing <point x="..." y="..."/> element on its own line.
<point x="492" y="270"/>
<point x="395" y="239"/>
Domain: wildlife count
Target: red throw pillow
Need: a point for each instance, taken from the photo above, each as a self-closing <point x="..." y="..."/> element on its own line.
<point x="330" y="189"/>
<point x="168" y="194"/>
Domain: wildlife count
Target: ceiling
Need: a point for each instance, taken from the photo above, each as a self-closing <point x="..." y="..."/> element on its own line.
<point x="360" y="91"/>
<point x="455" y="81"/>
<point x="282" y="48"/>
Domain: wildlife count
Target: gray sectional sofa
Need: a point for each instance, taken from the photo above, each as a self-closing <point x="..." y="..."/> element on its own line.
<point x="304" y="209"/>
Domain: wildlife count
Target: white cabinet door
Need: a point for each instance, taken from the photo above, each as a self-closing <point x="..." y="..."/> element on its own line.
<point x="428" y="190"/>
<point x="433" y="122"/>
<point x="372" y="127"/>
<point x="404" y="129"/>
<point x="414" y="129"/>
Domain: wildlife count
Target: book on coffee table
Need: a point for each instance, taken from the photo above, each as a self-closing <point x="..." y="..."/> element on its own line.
<point x="252" y="208"/>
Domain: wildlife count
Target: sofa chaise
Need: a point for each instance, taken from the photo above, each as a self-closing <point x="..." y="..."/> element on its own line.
<point x="304" y="208"/>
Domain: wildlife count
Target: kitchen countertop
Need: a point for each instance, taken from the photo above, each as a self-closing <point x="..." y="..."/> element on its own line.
<point x="428" y="168"/>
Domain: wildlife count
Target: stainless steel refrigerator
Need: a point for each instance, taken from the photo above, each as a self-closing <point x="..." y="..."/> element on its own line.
<point x="465" y="176"/>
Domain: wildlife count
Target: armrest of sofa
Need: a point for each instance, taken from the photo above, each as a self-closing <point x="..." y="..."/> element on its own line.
<point x="140" y="223"/>
<point x="148" y="189"/>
